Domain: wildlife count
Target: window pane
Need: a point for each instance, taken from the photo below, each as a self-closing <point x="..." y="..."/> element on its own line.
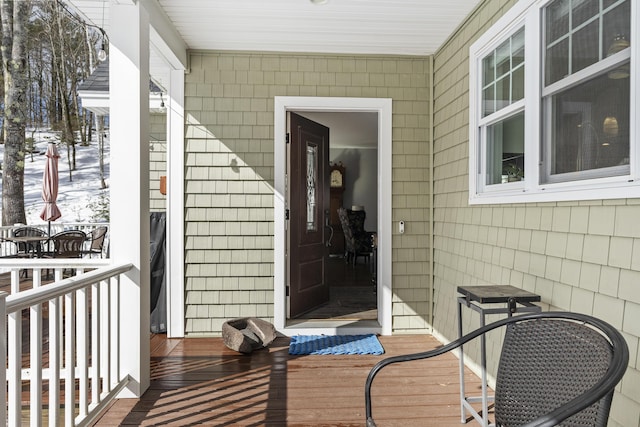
<point x="488" y="103"/>
<point x="312" y="181"/>
<point x="583" y="10"/>
<point x="557" y="20"/>
<point x="557" y="62"/>
<point x="503" y="74"/>
<point x="517" y="91"/>
<point x="589" y="127"/>
<point x="503" y="59"/>
<point x="503" y="92"/>
<point x="488" y="70"/>
<point x="517" y="49"/>
<point x="584" y="47"/>
<point x="505" y="150"/>
<point x="617" y="29"/>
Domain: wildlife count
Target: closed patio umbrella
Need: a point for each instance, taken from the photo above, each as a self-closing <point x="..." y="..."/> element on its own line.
<point x="50" y="212"/>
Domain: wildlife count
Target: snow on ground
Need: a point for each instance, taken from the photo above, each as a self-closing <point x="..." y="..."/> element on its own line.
<point x="78" y="200"/>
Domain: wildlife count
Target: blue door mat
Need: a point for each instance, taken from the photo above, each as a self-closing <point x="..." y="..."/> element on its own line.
<point x="335" y="344"/>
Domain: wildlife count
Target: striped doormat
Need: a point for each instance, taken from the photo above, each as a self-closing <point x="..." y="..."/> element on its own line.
<point x="335" y="344"/>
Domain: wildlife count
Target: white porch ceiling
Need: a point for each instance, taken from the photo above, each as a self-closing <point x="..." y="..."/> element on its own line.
<point x="385" y="27"/>
<point x="370" y="27"/>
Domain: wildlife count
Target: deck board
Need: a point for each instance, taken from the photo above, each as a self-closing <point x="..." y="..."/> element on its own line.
<point x="198" y="381"/>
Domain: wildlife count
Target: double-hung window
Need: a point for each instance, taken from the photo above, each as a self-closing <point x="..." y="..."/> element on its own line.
<point x="552" y="106"/>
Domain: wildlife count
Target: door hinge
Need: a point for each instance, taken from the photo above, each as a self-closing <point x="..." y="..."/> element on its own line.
<point x="287" y="138"/>
<point x="287" y="290"/>
<point x="286" y="214"/>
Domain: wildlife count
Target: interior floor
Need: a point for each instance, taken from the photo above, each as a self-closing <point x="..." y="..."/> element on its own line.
<point x="352" y="294"/>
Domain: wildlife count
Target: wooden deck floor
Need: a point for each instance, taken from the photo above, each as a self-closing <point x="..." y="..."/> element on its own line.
<point x="198" y="381"/>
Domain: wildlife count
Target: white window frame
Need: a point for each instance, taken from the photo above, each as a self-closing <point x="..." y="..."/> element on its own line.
<point x="528" y="13"/>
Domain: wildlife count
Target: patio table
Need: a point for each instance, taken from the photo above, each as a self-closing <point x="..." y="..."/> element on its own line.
<point x="488" y="299"/>
<point x="33" y="242"/>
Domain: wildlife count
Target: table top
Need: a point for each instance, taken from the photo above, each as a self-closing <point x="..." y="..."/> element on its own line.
<point x="497" y="293"/>
<point x="25" y="239"/>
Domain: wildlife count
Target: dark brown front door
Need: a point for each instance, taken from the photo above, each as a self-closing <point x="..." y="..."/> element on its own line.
<point x="308" y="204"/>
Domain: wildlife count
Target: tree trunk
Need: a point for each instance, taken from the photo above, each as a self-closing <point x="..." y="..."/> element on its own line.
<point x="61" y="74"/>
<point x="14" y="67"/>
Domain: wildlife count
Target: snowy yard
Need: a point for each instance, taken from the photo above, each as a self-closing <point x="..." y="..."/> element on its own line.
<point x="80" y="199"/>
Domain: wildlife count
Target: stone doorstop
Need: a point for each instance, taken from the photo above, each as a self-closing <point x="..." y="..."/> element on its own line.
<point x="247" y="334"/>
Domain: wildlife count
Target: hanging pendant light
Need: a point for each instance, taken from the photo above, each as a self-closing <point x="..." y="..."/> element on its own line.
<point x="102" y="54"/>
<point x="619" y="44"/>
<point x="610" y="126"/>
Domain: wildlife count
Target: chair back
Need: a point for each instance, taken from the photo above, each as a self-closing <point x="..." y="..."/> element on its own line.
<point x="346" y="229"/>
<point x="546" y="363"/>
<point x="97" y="238"/>
<point x="556" y="368"/>
<point x="68" y="244"/>
<point x="28" y="231"/>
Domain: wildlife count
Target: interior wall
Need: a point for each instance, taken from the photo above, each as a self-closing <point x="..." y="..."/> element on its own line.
<point x="361" y="180"/>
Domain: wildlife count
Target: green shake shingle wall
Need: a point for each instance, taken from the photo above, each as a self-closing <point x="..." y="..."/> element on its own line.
<point x="578" y="256"/>
<point x="157" y="160"/>
<point x="229" y="175"/>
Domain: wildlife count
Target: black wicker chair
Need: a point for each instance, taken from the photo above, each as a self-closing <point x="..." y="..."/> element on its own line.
<point x="555" y="368"/>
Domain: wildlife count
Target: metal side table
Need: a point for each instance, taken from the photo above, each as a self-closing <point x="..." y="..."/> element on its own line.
<point x="506" y="300"/>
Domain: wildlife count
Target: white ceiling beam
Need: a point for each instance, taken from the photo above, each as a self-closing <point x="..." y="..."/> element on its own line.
<point x="164" y="38"/>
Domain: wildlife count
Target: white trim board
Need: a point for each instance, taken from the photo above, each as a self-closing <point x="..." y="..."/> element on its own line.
<point x="383" y="106"/>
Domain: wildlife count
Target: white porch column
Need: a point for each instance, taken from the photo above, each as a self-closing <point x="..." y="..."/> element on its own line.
<point x="130" y="236"/>
<point x="175" y="204"/>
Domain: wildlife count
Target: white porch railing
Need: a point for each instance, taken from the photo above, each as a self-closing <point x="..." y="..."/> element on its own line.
<point x="73" y="342"/>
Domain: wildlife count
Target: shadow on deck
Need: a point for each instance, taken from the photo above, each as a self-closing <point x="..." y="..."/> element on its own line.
<point x="199" y="381"/>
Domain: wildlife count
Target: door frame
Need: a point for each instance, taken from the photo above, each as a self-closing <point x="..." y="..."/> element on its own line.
<point x="382" y="106"/>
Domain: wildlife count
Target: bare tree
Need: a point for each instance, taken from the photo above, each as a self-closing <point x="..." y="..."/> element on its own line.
<point x="14" y="68"/>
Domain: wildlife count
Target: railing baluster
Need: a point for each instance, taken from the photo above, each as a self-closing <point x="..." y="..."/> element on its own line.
<point x="82" y="343"/>
<point x="14" y="326"/>
<point x="96" y="336"/>
<point x="3" y="354"/>
<point x="115" y="333"/>
<point x="106" y="325"/>
<point x="70" y="359"/>
<point x="35" y="358"/>
<point x="54" y="360"/>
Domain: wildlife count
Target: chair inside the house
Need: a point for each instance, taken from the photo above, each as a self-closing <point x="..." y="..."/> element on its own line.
<point x="96" y="246"/>
<point x="67" y="244"/>
<point x="358" y="242"/>
<point x="554" y="367"/>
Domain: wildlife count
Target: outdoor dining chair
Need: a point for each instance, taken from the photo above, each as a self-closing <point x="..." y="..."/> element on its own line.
<point x="97" y="236"/>
<point x="555" y="367"/>
<point x="67" y="244"/>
